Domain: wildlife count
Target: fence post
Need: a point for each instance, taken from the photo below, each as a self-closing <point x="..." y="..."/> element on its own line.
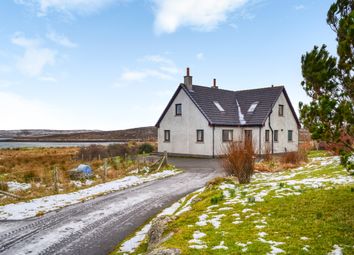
<point x="166" y="157"/>
<point x="105" y="168"/>
<point x="56" y="179"/>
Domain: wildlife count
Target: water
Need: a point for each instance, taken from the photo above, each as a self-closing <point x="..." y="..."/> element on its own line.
<point x="8" y="145"/>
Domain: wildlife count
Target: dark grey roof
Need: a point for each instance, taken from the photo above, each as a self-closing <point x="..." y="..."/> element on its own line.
<point x="204" y="98"/>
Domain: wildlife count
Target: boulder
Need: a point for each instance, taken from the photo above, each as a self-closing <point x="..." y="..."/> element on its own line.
<point x="155" y="233"/>
<point x="165" y="252"/>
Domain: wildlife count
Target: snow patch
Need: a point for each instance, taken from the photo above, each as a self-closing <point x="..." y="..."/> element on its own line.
<point x="221" y="246"/>
<point x="17" y="186"/>
<point x="336" y="250"/>
<point x="24" y="210"/>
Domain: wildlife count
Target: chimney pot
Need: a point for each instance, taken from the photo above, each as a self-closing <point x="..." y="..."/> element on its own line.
<point x="214" y="84"/>
<point x="188" y="80"/>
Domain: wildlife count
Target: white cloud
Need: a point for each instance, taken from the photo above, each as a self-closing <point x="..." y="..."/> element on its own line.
<point x="61" y="39"/>
<point x="200" y="56"/>
<point x="35" y="57"/>
<point x="17" y="112"/>
<point x="299" y="7"/>
<point x="200" y="14"/>
<point x="66" y="6"/>
<point x="47" y="79"/>
<point x="161" y="68"/>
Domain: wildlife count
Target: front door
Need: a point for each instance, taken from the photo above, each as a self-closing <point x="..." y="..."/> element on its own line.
<point x="248" y="136"/>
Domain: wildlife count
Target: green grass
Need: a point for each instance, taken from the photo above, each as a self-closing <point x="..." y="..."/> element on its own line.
<point x="290" y="205"/>
<point x="319" y="153"/>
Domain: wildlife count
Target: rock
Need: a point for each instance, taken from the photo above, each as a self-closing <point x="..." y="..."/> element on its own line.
<point x="155" y="233"/>
<point x="165" y="252"/>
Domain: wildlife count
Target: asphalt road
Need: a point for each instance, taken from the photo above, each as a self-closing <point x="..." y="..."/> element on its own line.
<point x="96" y="226"/>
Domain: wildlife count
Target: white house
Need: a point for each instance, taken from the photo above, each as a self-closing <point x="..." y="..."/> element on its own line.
<point x="200" y="120"/>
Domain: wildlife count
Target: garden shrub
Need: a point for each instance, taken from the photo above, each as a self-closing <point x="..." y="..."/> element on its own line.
<point x="239" y="161"/>
<point x="145" y="148"/>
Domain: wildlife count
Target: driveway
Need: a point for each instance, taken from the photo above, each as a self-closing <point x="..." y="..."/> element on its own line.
<point x="96" y="226"/>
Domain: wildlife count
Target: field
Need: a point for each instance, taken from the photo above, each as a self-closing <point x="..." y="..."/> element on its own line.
<point x="30" y="173"/>
<point x="307" y="210"/>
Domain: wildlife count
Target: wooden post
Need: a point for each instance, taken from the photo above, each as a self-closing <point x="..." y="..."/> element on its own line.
<point x="166" y="157"/>
<point x="105" y="169"/>
<point x="9" y="194"/>
<point x="56" y="179"/>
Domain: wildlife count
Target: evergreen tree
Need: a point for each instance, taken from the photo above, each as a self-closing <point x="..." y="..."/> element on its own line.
<point x="329" y="82"/>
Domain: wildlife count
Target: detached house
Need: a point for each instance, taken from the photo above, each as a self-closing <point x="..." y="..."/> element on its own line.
<point x="201" y="120"/>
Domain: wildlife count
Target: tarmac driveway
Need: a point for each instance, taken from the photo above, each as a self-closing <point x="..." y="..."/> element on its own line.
<point x="96" y="226"/>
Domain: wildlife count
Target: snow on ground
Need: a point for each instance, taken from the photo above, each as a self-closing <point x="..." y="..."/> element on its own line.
<point x="17" y="186"/>
<point x="130" y="245"/>
<point x="336" y="250"/>
<point x="33" y="207"/>
<point x="196" y="242"/>
<point x="221" y="246"/>
<point x="264" y="185"/>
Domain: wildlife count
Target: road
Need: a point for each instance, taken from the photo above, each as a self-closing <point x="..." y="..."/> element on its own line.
<point x="96" y="226"/>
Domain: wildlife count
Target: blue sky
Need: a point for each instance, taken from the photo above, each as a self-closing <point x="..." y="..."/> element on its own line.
<point x="114" y="64"/>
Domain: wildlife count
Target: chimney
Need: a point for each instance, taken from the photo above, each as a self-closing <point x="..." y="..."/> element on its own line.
<point x="188" y="80"/>
<point x="214" y="84"/>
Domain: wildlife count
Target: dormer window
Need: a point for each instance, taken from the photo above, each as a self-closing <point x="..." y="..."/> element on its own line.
<point x="252" y="107"/>
<point x="216" y="103"/>
<point x="178" y="109"/>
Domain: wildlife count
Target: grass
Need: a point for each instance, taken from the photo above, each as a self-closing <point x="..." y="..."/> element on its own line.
<point x="35" y="165"/>
<point x="302" y="211"/>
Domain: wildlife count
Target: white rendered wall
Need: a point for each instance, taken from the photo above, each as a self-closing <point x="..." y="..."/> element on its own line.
<point x="183" y="129"/>
<point x="282" y="124"/>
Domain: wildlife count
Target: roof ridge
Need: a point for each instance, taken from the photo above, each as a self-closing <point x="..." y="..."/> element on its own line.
<point x="227" y="90"/>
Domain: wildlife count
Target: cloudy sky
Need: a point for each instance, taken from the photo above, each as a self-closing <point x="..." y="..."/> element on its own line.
<point x="113" y="64"/>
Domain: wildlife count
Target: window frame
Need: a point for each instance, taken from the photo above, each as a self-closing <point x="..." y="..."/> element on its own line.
<point x="267" y="135"/>
<point x="176" y="112"/>
<point x="228" y="138"/>
<point x="281" y="110"/>
<point x="167" y="138"/>
<point x="276" y="135"/>
<point x="202" y="135"/>
<point x="290" y="136"/>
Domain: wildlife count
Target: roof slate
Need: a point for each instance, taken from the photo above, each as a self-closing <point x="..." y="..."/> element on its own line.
<point x="204" y="98"/>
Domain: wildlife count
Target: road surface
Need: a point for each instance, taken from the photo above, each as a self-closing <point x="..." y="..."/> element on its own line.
<point x="96" y="226"/>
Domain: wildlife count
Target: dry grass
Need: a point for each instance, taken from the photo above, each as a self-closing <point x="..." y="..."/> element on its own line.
<point x="36" y="166"/>
<point x="239" y="161"/>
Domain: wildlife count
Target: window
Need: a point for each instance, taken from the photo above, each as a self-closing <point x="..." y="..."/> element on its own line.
<point x="167" y="135"/>
<point x="267" y="135"/>
<point x="290" y="135"/>
<point x="275" y="135"/>
<point x="178" y="109"/>
<point x="227" y="135"/>
<point x="281" y="110"/>
<point x="218" y="106"/>
<point x="200" y="135"/>
<point x="252" y="107"/>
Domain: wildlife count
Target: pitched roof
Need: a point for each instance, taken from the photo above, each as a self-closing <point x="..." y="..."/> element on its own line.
<point x="235" y="104"/>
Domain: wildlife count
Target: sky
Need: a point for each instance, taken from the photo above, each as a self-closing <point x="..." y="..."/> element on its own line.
<point x="114" y="64"/>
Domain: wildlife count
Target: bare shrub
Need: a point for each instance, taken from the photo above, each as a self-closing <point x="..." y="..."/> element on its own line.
<point x="267" y="154"/>
<point x="239" y="161"/>
<point x="294" y="157"/>
<point x="4" y="186"/>
<point x="92" y="152"/>
<point x="118" y="150"/>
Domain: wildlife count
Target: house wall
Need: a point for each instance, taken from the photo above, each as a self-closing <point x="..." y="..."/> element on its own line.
<point x="184" y="135"/>
<point x="238" y="135"/>
<point x="183" y="129"/>
<point x="282" y="124"/>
